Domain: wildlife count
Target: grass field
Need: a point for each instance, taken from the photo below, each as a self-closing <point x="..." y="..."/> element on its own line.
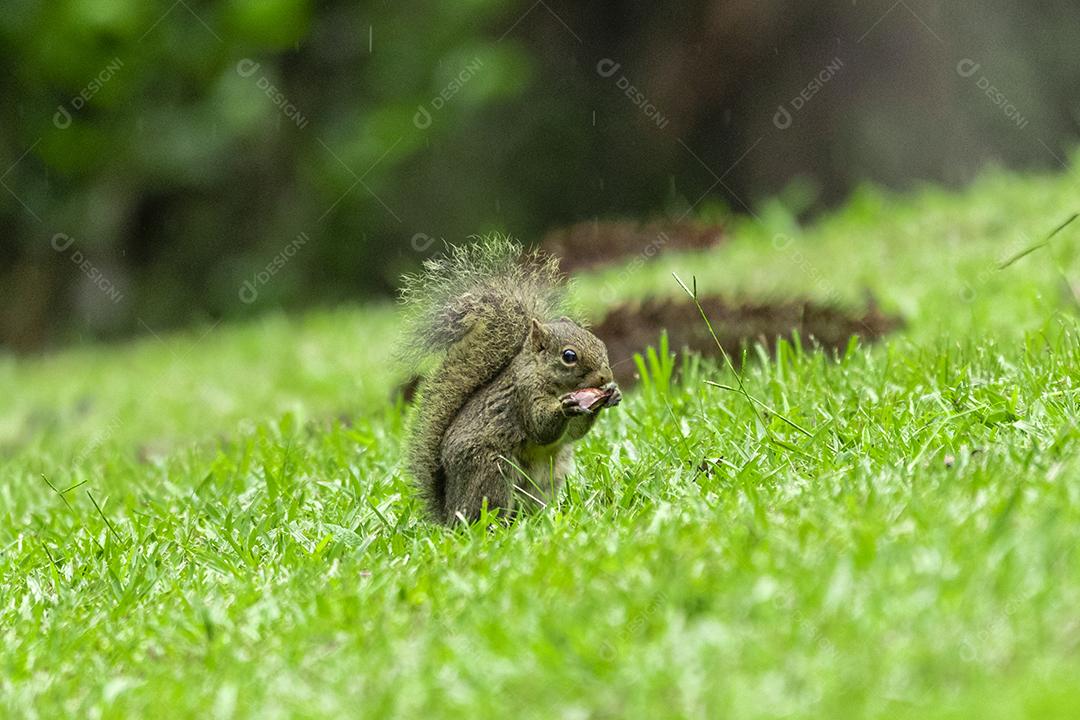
<point x="213" y="523"/>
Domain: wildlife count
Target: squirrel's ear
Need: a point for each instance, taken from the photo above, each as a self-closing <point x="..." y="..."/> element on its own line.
<point x="537" y="335"/>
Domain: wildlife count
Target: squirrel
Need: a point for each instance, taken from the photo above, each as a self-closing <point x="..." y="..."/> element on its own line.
<point x="514" y="384"/>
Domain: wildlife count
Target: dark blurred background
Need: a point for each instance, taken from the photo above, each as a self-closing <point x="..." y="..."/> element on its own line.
<point x="170" y="161"/>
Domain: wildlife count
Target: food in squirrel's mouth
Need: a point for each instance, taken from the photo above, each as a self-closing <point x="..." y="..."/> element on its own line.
<point x="591" y="398"/>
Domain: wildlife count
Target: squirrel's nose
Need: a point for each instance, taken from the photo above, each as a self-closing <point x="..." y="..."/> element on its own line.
<point x="603" y="377"/>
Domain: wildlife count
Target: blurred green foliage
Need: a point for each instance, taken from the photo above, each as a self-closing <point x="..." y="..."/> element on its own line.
<point x="183" y="145"/>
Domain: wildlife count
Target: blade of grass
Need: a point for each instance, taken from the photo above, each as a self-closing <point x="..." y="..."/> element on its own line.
<point x="727" y="360"/>
<point x="53" y="488"/>
<point x="1041" y="244"/>
<point x="107" y="523"/>
<point x="786" y="419"/>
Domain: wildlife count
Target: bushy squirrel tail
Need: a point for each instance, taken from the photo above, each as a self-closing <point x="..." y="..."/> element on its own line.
<point x="470" y="310"/>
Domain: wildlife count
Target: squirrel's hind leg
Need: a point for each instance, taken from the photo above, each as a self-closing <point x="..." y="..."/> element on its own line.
<point x="473" y="475"/>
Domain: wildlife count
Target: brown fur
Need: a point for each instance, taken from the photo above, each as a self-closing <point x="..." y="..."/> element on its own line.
<point x="493" y="422"/>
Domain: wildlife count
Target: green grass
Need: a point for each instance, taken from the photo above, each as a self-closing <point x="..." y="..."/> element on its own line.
<point x="214" y="524"/>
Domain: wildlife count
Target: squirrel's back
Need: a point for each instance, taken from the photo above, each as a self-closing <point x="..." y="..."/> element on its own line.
<point x="471" y="309"/>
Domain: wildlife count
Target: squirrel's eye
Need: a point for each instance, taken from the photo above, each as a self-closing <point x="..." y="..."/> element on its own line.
<point x="569" y="356"/>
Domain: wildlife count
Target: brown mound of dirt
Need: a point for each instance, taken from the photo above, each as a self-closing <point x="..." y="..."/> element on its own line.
<point x="594" y="243"/>
<point x="631" y="328"/>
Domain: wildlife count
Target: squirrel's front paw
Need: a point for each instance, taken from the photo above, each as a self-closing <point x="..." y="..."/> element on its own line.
<point x="615" y="396"/>
<point x="572" y="405"/>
